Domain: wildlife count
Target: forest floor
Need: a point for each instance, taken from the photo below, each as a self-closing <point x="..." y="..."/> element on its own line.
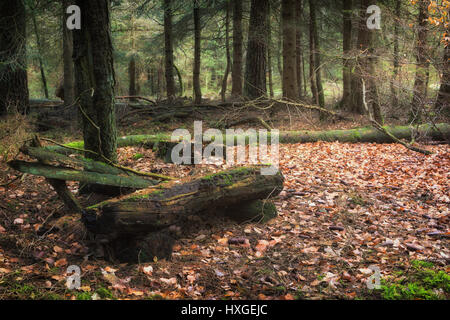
<point x="345" y="208"/>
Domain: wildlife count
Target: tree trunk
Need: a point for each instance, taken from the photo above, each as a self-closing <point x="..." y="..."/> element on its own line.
<point x="395" y="71"/>
<point x="236" y="73"/>
<point x="316" y="53"/>
<point x="288" y="15"/>
<point x="132" y="77"/>
<point x="347" y="49"/>
<point x="299" y="48"/>
<point x="13" y="66"/>
<point x="168" y="41"/>
<point x="94" y="72"/>
<point x="419" y="95"/>
<point x="69" y="77"/>
<point x="39" y="48"/>
<point x="255" y="67"/>
<point x="269" y="51"/>
<point x="443" y="99"/>
<point x="223" y="92"/>
<point x="197" y="54"/>
<point x="161" y="206"/>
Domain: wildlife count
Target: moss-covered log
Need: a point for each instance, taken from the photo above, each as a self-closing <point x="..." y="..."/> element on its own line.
<point x="158" y="207"/>
<point x="67" y="174"/>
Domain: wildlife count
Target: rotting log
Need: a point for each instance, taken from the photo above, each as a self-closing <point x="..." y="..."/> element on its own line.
<point x="67" y="174"/>
<point x="161" y="206"/>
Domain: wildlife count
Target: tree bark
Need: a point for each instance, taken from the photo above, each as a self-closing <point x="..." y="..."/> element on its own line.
<point x="315" y="54"/>
<point x="223" y="92"/>
<point x="255" y="67"/>
<point x="396" y="67"/>
<point x="168" y="42"/>
<point x="94" y="72"/>
<point x="420" y="87"/>
<point x="197" y="54"/>
<point x="69" y="77"/>
<point x="158" y="207"/>
<point x="13" y="67"/>
<point x="299" y="48"/>
<point x="347" y="49"/>
<point x="39" y="47"/>
<point x="269" y="52"/>
<point x="443" y="99"/>
<point x="236" y="73"/>
<point x="288" y="13"/>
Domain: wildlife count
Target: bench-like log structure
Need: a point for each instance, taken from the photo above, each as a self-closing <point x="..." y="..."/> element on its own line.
<point x="131" y="224"/>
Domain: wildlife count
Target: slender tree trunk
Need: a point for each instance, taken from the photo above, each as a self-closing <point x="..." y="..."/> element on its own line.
<point x="227" y="46"/>
<point x="280" y="49"/>
<point x="13" y="66"/>
<point x="363" y="41"/>
<point x="419" y="95"/>
<point x="269" y="52"/>
<point x="395" y="71"/>
<point x="132" y="77"/>
<point x="255" y="68"/>
<point x="316" y="53"/>
<point x="236" y="90"/>
<point x="197" y="54"/>
<point x="347" y="47"/>
<point x="288" y="12"/>
<point x="299" y="49"/>
<point x="168" y="41"/>
<point x="443" y="99"/>
<point x="69" y="77"/>
<point x="180" y="80"/>
<point x="39" y="48"/>
<point x="94" y="73"/>
<point x="315" y="66"/>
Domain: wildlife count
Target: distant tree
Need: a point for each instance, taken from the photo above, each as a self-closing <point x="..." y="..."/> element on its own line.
<point x="347" y="7"/>
<point x="422" y="63"/>
<point x="237" y="69"/>
<point x="168" y="42"/>
<point x="227" y="48"/>
<point x="13" y="67"/>
<point x="299" y="48"/>
<point x="315" y="64"/>
<point x="197" y="53"/>
<point x="69" y="77"/>
<point x="288" y="13"/>
<point x="94" y="73"/>
<point x="255" y="67"/>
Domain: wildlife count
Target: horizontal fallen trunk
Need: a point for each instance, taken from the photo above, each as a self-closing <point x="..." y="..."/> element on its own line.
<point x="158" y="207"/>
<point x="67" y="174"/>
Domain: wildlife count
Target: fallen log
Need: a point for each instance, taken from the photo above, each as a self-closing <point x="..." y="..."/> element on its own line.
<point x="158" y="207"/>
<point x="67" y="174"/>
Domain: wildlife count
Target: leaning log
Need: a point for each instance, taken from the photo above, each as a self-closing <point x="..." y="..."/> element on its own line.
<point x="67" y="174"/>
<point x="158" y="207"/>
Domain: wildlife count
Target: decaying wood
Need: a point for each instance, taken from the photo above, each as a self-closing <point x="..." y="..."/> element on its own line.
<point x="158" y="207"/>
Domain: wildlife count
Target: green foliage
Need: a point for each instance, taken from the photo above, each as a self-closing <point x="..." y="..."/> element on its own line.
<point x="104" y="293"/>
<point x="421" y="282"/>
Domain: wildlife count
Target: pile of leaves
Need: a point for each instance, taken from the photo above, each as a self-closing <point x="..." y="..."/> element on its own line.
<point x="345" y="208"/>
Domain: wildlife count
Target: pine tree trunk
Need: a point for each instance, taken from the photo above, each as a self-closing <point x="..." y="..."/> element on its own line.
<point x="290" y="89"/>
<point x="269" y="53"/>
<point x="347" y="48"/>
<point x="94" y="73"/>
<point x="168" y="41"/>
<point x="197" y="54"/>
<point x="13" y="67"/>
<point x="299" y="49"/>
<point x="395" y="71"/>
<point x="69" y="77"/>
<point x="236" y="90"/>
<point x="132" y="77"/>
<point x="419" y="95"/>
<point x="255" y="68"/>
<point x="227" y="47"/>
<point x="39" y="47"/>
<point x="316" y="53"/>
<point x="443" y="99"/>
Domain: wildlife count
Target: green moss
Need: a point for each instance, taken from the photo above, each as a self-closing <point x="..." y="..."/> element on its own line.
<point x="104" y="293"/>
<point x="138" y="156"/>
<point x="83" y="296"/>
<point x="421" y="282"/>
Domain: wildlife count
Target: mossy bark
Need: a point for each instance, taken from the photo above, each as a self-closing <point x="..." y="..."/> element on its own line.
<point x="158" y="207"/>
